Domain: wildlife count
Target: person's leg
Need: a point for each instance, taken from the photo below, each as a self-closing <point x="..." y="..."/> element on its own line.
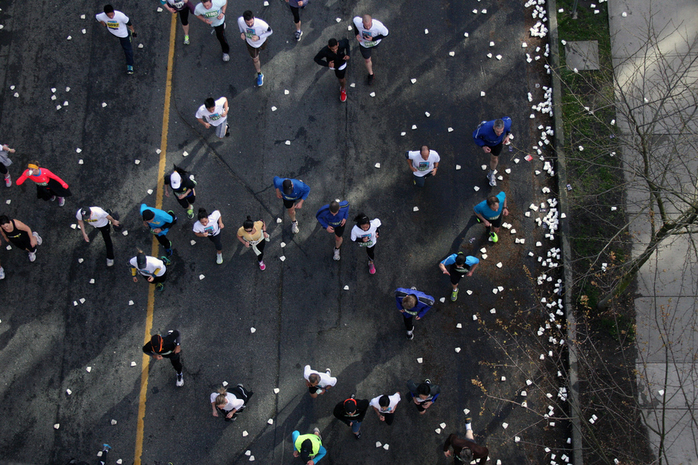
<point x="128" y="49"/>
<point x="164" y="241"/>
<point x="184" y="18"/>
<point x="220" y="35"/>
<point x="371" y="253"/>
<point x="296" y="17"/>
<point x="355" y="427"/>
<point x="469" y="435"/>
<point x="222" y="129"/>
<point x="106" y="235"/>
<point x="409" y="323"/>
<point x="260" y="247"/>
<point x="419" y="180"/>
<point x="494" y="161"/>
<point x="183" y="202"/>
<point x="292" y="213"/>
<point x="366" y="53"/>
<point x="217" y="242"/>
<point x="257" y="64"/>
<point x="420" y="407"/>
<point x="175" y="360"/>
<point x="320" y="454"/>
<point x="389" y="417"/>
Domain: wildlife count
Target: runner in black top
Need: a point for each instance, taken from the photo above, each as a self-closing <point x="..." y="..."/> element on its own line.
<point x="335" y="56"/>
<point x="183" y="187"/>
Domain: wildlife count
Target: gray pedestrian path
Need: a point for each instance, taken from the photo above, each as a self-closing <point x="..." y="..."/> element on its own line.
<point x="655" y="53"/>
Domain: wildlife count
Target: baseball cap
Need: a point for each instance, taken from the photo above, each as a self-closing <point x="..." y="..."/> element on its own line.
<point x="288" y="186"/>
<point x="175" y="180"/>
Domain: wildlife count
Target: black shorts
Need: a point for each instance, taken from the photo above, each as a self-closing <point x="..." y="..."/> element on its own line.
<point x="455" y="277"/>
<point x="497" y="222"/>
<point x="289" y="203"/>
<point x="496" y="150"/>
<point x="366" y="51"/>
<point x="339" y="230"/>
<point x="254" y="52"/>
<point x="340" y="73"/>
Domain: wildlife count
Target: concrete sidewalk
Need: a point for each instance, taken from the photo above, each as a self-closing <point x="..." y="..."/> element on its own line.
<point x="654" y="48"/>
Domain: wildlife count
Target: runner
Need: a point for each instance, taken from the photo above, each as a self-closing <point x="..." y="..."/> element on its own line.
<point x="369" y="33"/>
<point x="119" y="25"/>
<point x="99" y="219"/>
<point x="184" y="188"/>
<point x="215" y="113"/>
<point x="254" y="32"/>
<point x="459" y="265"/>
<point x="20" y="235"/>
<point x="296" y="6"/>
<point x="154" y="270"/>
<point x="212" y="12"/>
<point x="333" y="218"/>
<point x="490" y="212"/>
<point x="254" y="234"/>
<point x="229" y="404"/>
<point x="48" y="185"/>
<point x="490" y="135"/>
<point x="423" y="164"/>
<point x="335" y="56"/>
<point x="293" y="192"/>
<point x="5" y="162"/>
<point x="159" y="222"/>
<point x="210" y="226"/>
<point x="183" y="7"/>
<point x="366" y="232"/>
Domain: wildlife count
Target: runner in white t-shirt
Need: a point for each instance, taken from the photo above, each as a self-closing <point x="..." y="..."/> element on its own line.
<point x="230" y="404"/>
<point x="183" y="8"/>
<point x="385" y="407"/>
<point x="119" y="25"/>
<point x="212" y="12"/>
<point x="369" y="33"/>
<point x="317" y="382"/>
<point x="423" y="163"/>
<point x="366" y="234"/>
<point x="254" y="32"/>
<point x="154" y="270"/>
<point x="215" y="113"/>
<point x="210" y="226"/>
<point x="99" y="219"/>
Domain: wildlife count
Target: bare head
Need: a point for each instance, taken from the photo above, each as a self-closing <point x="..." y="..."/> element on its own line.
<point x="368" y="21"/>
<point x="424" y="151"/>
<point x="498" y="127"/>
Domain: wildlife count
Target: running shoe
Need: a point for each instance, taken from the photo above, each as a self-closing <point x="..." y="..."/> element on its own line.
<point x="343" y="95"/>
<point x="336" y="256"/>
<point x="186" y="40"/>
<point x="39" y="240"/>
<point x="294" y="227"/>
<point x="491" y="178"/>
<point x="160" y="287"/>
<point x="2" y="273"/>
<point x="262" y="266"/>
<point x="61" y="201"/>
<point x="494" y="237"/>
<point x="371" y="268"/>
<point x="190" y="213"/>
<point x="110" y="262"/>
<point x="226" y="57"/>
<point x="454" y="295"/>
<point x="298" y="35"/>
<point x="8" y="180"/>
<point x="410" y="335"/>
<point x="369" y="79"/>
<point x="260" y="79"/>
<point x="180" y="380"/>
<point x="32" y="256"/>
<point x="129" y="69"/>
<point x="219" y="259"/>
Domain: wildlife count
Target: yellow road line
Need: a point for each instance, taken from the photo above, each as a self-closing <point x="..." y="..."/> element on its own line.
<point x="154" y="249"/>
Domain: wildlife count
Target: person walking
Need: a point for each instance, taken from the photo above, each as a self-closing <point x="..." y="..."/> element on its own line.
<point x="255" y="32"/>
<point x="212" y="12"/>
<point x="366" y="233"/>
<point x="210" y="226"/>
<point x="335" y="56"/>
<point x="352" y="412"/>
<point x="369" y="32"/>
<point x="154" y="270"/>
<point x="168" y="347"/>
<point x="48" y="185"/>
<point x="333" y="218"/>
<point x="317" y="382"/>
<point x="20" y="235"/>
<point x="293" y="192"/>
<point x="183" y="8"/>
<point x="99" y="219"/>
<point x="423" y="163"/>
<point x="215" y="113"/>
<point x="308" y="446"/>
<point x="5" y="161"/>
<point x="296" y="6"/>
<point x="385" y="407"/>
<point x="423" y="394"/>
<point x="183" y="186"/>
<point x="120" y="26"/>
<point x="491" y="135"/>
<point x="465" y="450"/>
<point x="229" y="404"/>
<point x="459" y="265"/>
<point x="412" y="304"/>
<point x="254" y="234"/>
<point x="159" y="222"/>
<point x="491" y="212"/>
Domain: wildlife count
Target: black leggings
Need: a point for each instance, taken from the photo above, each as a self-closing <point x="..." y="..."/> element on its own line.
<point x="176" y="362"/>
<point x="106" y="230"/>
<point x="389" y="417"/>
<point x="220" y="35"/>
<point x="164" y="241"/>
<point x="296" y="13"/>
<point x="184" y="16"/>
<point x="3" y="169"/>
<point x="260" y="247"/>
<point x="186" y="201"/>
<point x="216" y="241"/>
<point x="409" y="323"/>
<point x="370" y="252"/>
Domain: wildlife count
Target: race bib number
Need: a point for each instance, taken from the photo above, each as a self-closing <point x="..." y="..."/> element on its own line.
<point x="113" y="24"/>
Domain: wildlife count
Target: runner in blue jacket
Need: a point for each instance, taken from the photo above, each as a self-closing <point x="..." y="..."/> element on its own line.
<point x="333" y="218"/>
<point x="159" y="222"/>
<point x="412" y="303"/>
<point x="490" y="135"/>
<point x="293" y="192"/>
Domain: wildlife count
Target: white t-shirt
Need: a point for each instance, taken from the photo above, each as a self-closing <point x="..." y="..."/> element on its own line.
<point x="233" y="402"/>
<point x="357" y="233"/>
<point x="212" y="228"/>
<point x="213" y="13"/>
<point x="325" y="379"/>
<point x="153" y="266"/>
<point x="394" y="400"/>
<point x="215" y="118"/>
<point x="423" y="166"/>
<point x="259" y="28"/>
<point x="366" y="35"/>
<point x="98" y="218"/>
<point x="117" y="24"/>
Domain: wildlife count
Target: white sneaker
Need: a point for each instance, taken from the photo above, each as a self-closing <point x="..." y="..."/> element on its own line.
<point x="180" y="380"/>
<point x="294" y="227"/>
<point x="226" y="57"/>
<point x="336" y="255"/>
<point x="219" y="258"/>
<point x="39" y="240"/>
<point x="2" y="273"/>
<point x="32" y="256"/>
<point x="110" y="262"/>
<point x="61" y="201"/>
<point x="492" y="179"/>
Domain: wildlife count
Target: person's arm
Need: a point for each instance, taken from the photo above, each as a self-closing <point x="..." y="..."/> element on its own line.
<point x="423" y="311"/>
<point x="201" y="17"/>
<point x="409" y="162"/>
<point x="266" y="33"/>
<point x="199" y="233"/>
<point x="130" y="26"/>
<point x="6" y="148"/>
<point x="447" y="445"/>
<point x="220" y="222"/>
<point x="380" y="415"/>
<point x="49" y="174"/>
<point x="23" y="227"/>
<point x="81" y="224"/>
<point x="243" y="241"/>
<point x="436" y="167"/>
<point x="134" y="270"/>
<point x="321" y="59"/>
<point x="20" y="180"/>
<point x="3" y="235"/>
<point x="264" y="230"/>
<point x="203" y="122"/>
<point x="317" y="458"/>
<point x="344" y="46"/>
<point x="113" y="221"/>
<point x="226" y="107"/>
<point x="215" y="410"/>
<point x="223" y="8"/>
<point x="472" y="268"/>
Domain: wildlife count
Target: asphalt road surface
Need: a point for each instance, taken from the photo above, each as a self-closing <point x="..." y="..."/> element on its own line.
<point x="302" y="315"/>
